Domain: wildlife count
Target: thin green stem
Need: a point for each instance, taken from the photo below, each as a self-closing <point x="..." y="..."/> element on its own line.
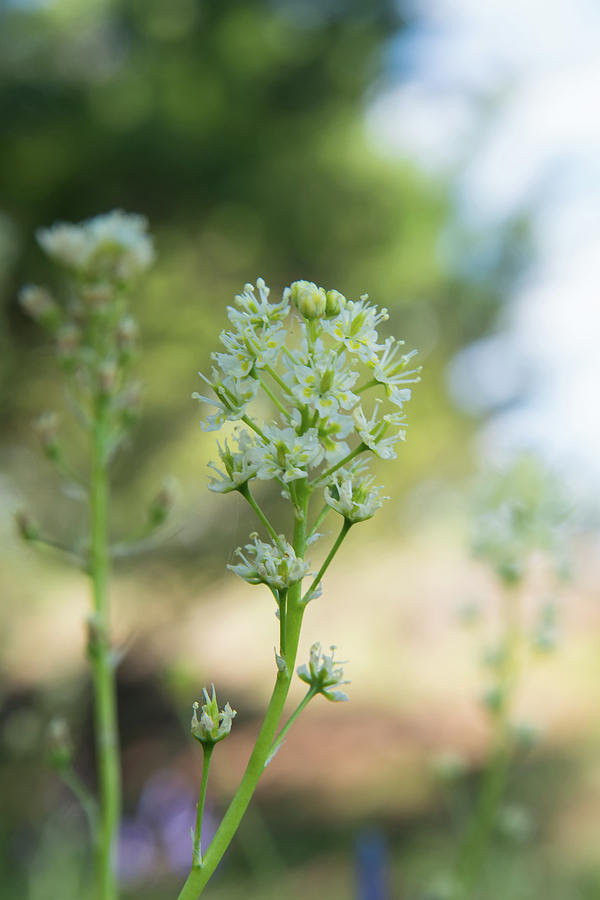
<point x="312" y="692"/>
<point x="200" y="875"/>
<point x="251" y="424"/>
<point x="277" y="378"/>
<point x="475" y="846"/>
<point x="245" y="491"/>
<point x="86" y="800"/>
<point x="368" y="384"/>
<point x="324" y="512"/>
<point x="57" y="547"/>
<point x="348" y="458"/>
<point x="343" y="532"/>
<point x="275" y="399"/>
<point x="103" y="674"/>
<point x="282" y="622"/>
<point x="197" y="852"/>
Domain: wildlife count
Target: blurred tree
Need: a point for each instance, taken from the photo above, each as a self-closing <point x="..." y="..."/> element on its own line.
<point x="238" y="129"/>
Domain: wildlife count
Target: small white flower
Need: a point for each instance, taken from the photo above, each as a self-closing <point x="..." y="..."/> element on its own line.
<point x="240" y="466"/>
<point x="389" y="369"/>
<point x="233" y="397"/>
<point x="288" y="455"/>
<point x="275" y="565"/>
<point x="332" y="432"/>
<point x="373" y="431"/>
<point x="249" y="349"/>
<point x="356" y="328"/>
<point x="257" y="312"/>
<point x="324" y="383"/>
<point x="66" y="243"/>
<point x="321" y="675"/>
<point x="114" y="245"/>
<point x="214" y="724"/>
<point x="351" y="493"/>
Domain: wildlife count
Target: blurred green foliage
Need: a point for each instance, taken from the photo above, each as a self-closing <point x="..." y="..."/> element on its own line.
<point x="237" y="128"/>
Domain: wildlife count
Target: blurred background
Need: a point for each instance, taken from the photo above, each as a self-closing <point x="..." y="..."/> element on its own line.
<point x="443" y="157"/>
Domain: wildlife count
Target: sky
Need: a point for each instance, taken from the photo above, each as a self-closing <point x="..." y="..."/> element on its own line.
<point x="503" y="97"/>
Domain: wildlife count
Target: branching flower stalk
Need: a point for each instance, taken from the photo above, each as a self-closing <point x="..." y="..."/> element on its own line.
<point x="520" y="513"/>
<point x="305" y="354"/>
<point x="95" y="341"/>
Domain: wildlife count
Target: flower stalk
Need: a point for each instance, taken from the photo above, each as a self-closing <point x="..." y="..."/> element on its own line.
<point x="305" y="452"/>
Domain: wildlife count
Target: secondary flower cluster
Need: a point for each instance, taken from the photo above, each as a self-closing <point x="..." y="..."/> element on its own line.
<point x="95" y="335"/>
<point x="519" y="510"/>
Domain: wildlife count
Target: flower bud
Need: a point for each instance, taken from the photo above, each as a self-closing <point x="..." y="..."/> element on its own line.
<point x="98" y="296"/>
<point x="38" y="303"/>
<point x="46" y="427"/>
<point x="107" y="376"/>
<point x="335" y="303"/>
<point x="68" y="339"/>
<point x="26" y="526"/>
<point x="161" y="505"/>
<point x="126" y="336"/>
<point x="213" y="725"/>
<point x="60" y="747"/>
<point x="309" y="299"/>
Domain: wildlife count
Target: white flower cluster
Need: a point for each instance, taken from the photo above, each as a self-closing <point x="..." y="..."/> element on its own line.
<point x="313" y="355"/>
<point x="351" y="493"/>
<point x="323" y="673"/>
<point x="311" y="381"/>
<point x="115" y="245"/>
<point x="520" y="510"/>
<point x="273" y="564"/>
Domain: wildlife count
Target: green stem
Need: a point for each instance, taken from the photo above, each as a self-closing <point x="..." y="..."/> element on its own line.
<point x="348" y="458"/>
<point x="200" y="875"/>
<point x="282" y="622"/>
<point x="478" y="835"/>
<point x="275" y="400"/>
<point x="279" y="380"/>
<point x="244" y="490"/>
<point x="103" y="674"/>
<point x="368" y="384"/>
<point x="248" y="421"/>
<point x="324" y="512"/>
<point x="197" y="852"/>
<point x="343" y="532"/>
<point x="301" y="706"/>
<point x="87" y="801"/>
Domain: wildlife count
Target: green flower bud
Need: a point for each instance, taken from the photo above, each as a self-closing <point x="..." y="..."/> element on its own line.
<point x="214" y="724"/>
<point x="38" y="303"/>
<point x="59" y="744"/>
<point x="335" y="303"/>
<point x="309" y="299"/>
<point x="46" y="427"/>
<point x="26" y="527"/>
<point x="126" y="335"/>
<point x="108" y="374"/>
<point x="68" y="340"/>
<point x="161" y="504"/>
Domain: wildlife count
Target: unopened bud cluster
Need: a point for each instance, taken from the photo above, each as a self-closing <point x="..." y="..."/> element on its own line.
<point x="519" y="511"/>
<point x="210" y="724"/>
